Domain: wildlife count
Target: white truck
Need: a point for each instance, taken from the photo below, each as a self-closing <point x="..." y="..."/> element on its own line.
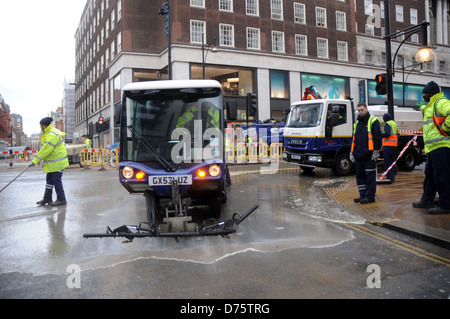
<point x="318" y="133"/>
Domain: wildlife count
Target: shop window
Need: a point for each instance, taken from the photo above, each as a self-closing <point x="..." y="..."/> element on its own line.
<point x="234" y="81"/>
<point x="279" y="84"/>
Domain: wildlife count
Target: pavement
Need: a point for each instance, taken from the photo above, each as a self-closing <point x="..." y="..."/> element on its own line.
<point x="393" y="204"/>
<point x="392" y="208"/>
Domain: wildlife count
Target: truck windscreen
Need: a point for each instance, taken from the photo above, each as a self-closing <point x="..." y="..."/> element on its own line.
<point x="305" y="115"/>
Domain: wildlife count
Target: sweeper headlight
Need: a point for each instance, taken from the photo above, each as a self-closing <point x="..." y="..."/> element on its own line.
<point x="127" y="172"/>
<point x="214" y="170"/>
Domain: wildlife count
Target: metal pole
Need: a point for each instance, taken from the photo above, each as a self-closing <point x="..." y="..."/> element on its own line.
<point x="390" y="85"/>
<point x="203" y="54"/>
<point x="169" y="65"/>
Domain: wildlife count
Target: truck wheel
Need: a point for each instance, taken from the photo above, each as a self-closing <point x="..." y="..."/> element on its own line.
<point x="152" y="208"/>
<point x="343" y="165"/>
<point x="409" y="161"/>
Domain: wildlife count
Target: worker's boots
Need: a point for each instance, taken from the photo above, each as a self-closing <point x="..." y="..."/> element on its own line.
<point x="42" y="202"/>
<point x="59" y="203"/>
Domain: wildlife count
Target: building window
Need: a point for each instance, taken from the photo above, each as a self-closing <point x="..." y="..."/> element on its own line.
<point x="197" y="28"/>
<point x="279" y="85"/>
<point x="234" y="81"/>
<point x="322" y="48"/>
<point x="113" y="19"/>
<point x="321" y="17"/>
<point x="369" y="56"/>
<point x="301" y="44"/>
<point x="415" y="38"/>
<point x="198" y="3"/>
<point x="299" y="13"/>
<point x="368" y="7"/>
<point x="119" y="10"/>
<point x="226" y="5"/>
<point x="370" y="29"/>
<point x="276" y="9"/>
<point x="442" y="67"/>
<point x="226" y="35"/>
<point x="277" y="41"/>
<point x="252" y="7"/>
<point x="413" y="16"/>
<point x="398" y="13"/>
<point x="341" y="21"/>
<point x="119" y="42"/>
<point x="253" y="39"/>
<point x="342" y="51"/>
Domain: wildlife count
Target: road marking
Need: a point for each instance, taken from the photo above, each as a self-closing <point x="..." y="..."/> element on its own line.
<point x="402" y="245"/>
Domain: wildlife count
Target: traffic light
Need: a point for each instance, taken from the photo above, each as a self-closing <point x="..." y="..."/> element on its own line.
<point x="101" y="125"/>
<point x="381" y="82"/>
<point x="252" y="104"/>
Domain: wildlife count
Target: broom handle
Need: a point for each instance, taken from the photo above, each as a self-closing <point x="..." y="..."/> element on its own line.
<point x="14" y="178"/>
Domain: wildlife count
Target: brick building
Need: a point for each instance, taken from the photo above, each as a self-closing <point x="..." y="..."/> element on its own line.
<point x="5" y="125"/>
<point x="274" y="48"/>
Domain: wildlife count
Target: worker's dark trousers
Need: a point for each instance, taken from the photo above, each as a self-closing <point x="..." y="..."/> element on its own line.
<point x="389" y="155"/>
<point x="54" y="180"/>
<point x="437" y="177"/>
<point x="366" y="177"/>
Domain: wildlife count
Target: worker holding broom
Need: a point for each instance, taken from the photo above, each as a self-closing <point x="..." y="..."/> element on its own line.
<point x="54" y="155"/>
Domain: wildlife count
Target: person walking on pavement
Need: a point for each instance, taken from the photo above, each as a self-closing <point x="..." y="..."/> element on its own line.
<point x="389" y="143"/>
<point x="436" y="137"/>
<point x="364" y="153"/>
<point x="54" y="155"/>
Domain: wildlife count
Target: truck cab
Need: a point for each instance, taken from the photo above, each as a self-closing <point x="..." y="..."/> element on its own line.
<point x="318" y="133"/>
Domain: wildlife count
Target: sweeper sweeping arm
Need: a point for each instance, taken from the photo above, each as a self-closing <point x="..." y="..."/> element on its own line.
<point x="130" y="232"/>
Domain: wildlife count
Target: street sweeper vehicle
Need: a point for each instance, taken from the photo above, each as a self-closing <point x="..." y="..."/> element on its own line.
<point x="172" y="152"/>
<point x="318" y="133"/>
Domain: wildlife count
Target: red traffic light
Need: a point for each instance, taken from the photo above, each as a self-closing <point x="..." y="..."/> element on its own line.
<point x="381" y="84"/>
<point x="379" y="78"/>
<point x="100" y="120"/>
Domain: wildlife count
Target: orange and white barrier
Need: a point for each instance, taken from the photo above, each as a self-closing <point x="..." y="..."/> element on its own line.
<point x="18" y="156"/>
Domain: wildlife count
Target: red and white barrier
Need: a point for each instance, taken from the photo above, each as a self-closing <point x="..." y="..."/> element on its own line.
<point x="413" y="140"/>
<point x="18" y="152"/>
<point x="410" y="132"/>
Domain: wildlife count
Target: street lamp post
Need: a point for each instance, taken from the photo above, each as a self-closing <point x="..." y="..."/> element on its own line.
<point x="211" y="45"/>
<point x="165" y="11"/>
<point x="424" y="54"/>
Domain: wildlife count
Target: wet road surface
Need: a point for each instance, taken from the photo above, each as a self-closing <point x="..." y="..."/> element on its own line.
<point x="298" y="244"/>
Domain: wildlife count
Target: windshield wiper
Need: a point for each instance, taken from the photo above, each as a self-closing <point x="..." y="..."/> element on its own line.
<point x="164" y="163"/>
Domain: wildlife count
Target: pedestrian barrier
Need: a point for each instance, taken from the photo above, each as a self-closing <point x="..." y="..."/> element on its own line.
<point x="253" y="152"/>
<point x="94" y="157"/>
<point x="114" y="157"/>
<point x="12" y="157"/>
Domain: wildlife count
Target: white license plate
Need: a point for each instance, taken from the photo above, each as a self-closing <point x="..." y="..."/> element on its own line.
<point x="161" y="180"/>
<point x="296" y="157"/>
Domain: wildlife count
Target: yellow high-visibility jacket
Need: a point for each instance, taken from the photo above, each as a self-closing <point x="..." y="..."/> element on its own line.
<point x="432" y="137"/>
<point x="53" y="151"/>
